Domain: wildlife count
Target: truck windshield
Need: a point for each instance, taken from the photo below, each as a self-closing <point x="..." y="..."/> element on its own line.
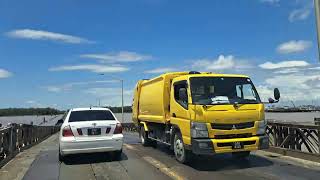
<point x="223" y="90"/>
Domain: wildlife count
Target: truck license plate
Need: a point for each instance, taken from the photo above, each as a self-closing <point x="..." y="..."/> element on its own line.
<point x="237" y="145"/>
<point x="94" y="131"/>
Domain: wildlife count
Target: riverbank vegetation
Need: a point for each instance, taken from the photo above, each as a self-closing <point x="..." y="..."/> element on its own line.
<point x="29" y="111"/>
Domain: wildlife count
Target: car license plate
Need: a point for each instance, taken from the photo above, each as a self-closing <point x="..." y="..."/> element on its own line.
<point x="237" y="145"/>
<point x="94" y="131"/>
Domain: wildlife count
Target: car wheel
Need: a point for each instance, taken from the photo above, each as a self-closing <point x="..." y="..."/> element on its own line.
<point x="118" y="154"/>
<point x="181" y="153"/>
<point x="61" y="157"/>
<point x="145" y="141"/>
<point x="241" y="155"/>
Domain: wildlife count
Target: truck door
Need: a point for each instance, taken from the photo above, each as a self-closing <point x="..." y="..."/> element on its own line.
<point x="179" y="110"/>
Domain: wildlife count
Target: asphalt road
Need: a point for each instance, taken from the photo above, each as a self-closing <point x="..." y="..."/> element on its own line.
<point x="140" y="162"/>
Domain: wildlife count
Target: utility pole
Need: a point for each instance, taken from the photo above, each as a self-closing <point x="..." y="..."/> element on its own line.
<point x="317" y="15"/>
<point x="122" y="114"/>
<point x="122" y="100"/>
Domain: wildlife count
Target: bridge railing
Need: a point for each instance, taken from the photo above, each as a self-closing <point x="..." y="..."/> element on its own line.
<point x="303" y="138"/>
<point x="14" y="138"/>
<point x="297" y="137"/>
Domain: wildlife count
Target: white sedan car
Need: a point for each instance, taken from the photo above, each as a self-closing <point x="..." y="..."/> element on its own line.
<point x="89" y="130"/>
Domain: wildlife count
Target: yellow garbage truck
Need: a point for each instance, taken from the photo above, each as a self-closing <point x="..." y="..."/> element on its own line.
<point x="201" y="113"/>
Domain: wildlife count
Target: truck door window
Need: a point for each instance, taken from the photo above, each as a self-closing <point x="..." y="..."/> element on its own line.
<point x="177" y="87"/>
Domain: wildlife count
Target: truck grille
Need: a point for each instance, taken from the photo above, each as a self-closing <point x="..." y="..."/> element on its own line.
<point x="232" y="126"/>
<point x="231" y="136"/>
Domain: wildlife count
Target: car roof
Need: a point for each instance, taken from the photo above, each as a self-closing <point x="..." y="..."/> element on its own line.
<point x="90" y="108"/>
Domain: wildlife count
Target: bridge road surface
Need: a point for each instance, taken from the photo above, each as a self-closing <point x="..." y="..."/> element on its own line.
<point x="41" y="163"/>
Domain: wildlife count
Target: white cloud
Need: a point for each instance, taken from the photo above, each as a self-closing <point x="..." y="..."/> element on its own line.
<point x="31" y="102"/>
<point x="45" y="35"/>
<point x="287" y="71"/>
<point x="303" y="12"/>
<point x="4" y="73"/>
<point x="57" y="88"/>
<point x="221" y="63"/>
<point x="160" y="70"/>
<point x="293" y="46"/>
<point x="299" y="14"/>
<point x="111" y="96"/>
<point x="270" y="1"/>
<point x="122" y="56"/>
<point x="294" y="87"/>
<point x="97" y="68"/>
<point x="283" y="64"/>
<point x="107" y="92"/>
<point x="70" y="86"/>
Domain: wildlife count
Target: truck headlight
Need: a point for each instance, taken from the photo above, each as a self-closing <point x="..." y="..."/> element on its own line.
<point x="199" y="130"/>
<point x="262" y="125"/>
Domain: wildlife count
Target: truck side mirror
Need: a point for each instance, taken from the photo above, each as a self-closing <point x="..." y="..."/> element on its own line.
<point x="183" y="96"/>
<point x="276" y="94"/>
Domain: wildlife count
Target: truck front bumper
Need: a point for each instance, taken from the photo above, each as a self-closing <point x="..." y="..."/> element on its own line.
<point x="212" y="146"/>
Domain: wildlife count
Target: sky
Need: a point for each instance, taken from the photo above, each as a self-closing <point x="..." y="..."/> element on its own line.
<point x="52" y="53"/>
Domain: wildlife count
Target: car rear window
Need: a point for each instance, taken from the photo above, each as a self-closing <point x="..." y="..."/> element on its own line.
<point x="91" y="115"/>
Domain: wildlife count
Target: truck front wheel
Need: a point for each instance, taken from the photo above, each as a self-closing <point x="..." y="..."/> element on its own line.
<point x="181" y="153"/>
<point x="145" y="141"/>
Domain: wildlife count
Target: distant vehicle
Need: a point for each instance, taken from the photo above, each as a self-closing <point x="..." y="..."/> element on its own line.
<point x="201" y="113"/>
<point x="89" y="130"/>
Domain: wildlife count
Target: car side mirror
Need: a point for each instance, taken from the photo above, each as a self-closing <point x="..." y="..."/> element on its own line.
<point x="183" y="96"/>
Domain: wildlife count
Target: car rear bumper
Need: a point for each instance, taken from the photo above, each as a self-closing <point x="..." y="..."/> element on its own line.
<point x="212" y="146"/>
<point x="77" y="147"/>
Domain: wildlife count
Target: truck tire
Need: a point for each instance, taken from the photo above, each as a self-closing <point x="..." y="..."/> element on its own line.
<point x="145" y="141"/>
<point x="181" y="153"/>
<point x="241" y="155"/>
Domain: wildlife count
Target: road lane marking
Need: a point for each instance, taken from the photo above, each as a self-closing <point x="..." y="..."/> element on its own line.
<point x="128" y="146"/>
<point x="163" y="168"/>
<point x="157" y="164"/>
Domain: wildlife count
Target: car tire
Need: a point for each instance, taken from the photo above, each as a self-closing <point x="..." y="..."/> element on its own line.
<point x="61" y="157"/>
<point x="181" y="153"/>
<point x="145" y="141"/>
<point x="117" y="155"/>
<point x="241" y="155"/>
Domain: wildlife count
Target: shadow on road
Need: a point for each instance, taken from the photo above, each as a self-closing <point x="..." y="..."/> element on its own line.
<point x="226" y="162"/>
<point x="220" y="161"/>
<point x="93" y="158"/>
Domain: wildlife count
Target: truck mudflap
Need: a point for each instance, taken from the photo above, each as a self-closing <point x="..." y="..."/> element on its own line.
<point x="207" y="146"/>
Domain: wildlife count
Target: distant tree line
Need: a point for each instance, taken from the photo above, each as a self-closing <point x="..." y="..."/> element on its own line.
<point x="126" y="109"/>
<point x="29" y="111"/>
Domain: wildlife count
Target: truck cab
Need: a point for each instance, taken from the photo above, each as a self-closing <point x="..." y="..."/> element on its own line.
<point x="207" y="114"/>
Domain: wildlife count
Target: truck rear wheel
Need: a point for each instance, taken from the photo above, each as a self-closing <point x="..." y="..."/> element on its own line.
<point x="181" y="153"/>
<point x="241" y="155"/>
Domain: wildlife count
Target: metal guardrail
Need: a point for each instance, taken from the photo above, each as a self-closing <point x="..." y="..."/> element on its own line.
<point x="297" y="137"/>
<point x="303" y="138"/>
<point x="15" y="138"/>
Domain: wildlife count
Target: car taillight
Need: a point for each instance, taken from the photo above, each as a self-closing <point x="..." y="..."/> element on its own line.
<point x="118" y="129"/>
<point x="67" y="132"/>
